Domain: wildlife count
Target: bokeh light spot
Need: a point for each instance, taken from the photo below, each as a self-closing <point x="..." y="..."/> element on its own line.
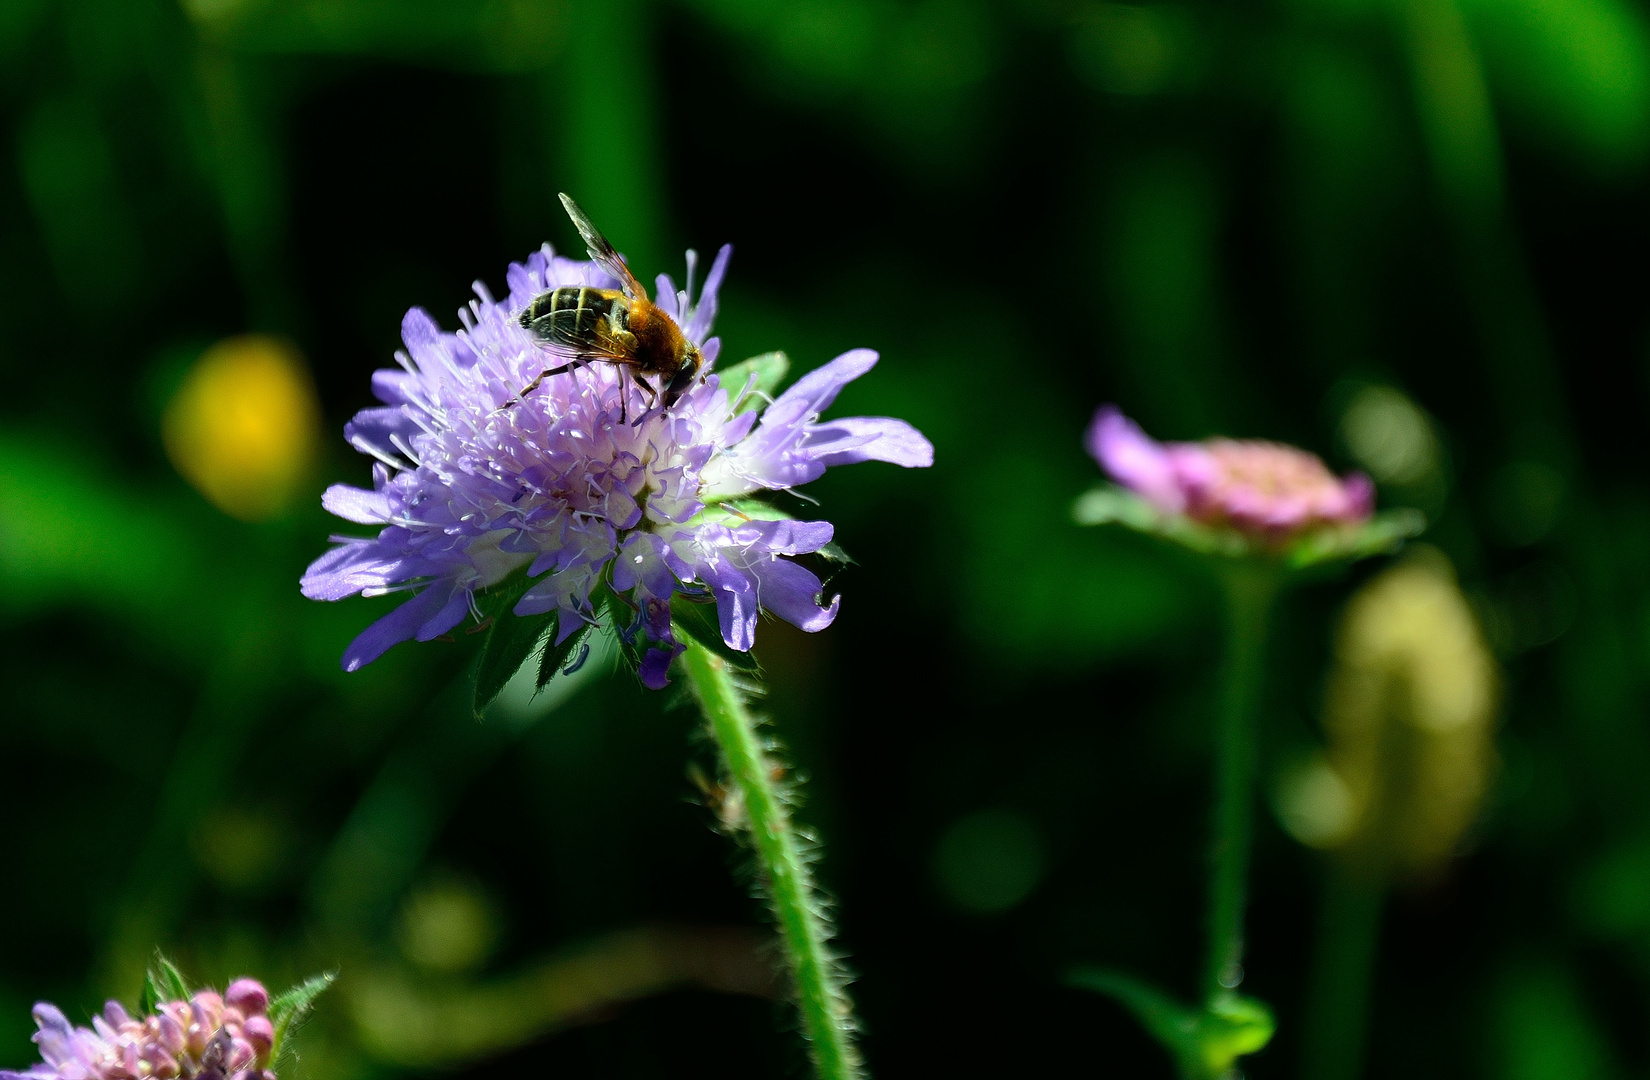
<point x="244" y="427"/>
<point x="1314" y="804"/>
<point x="989" y="861"/>
<point x="449" y="925"/>
<point x="1389" y="436"/>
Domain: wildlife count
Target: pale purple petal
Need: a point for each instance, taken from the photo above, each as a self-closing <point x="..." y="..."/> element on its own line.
<point x="1134" y="460"/>
<point x="665" y="297"/>
<point x="355" y="504"/>
<point x="820" y="387"/>
<point x="345" y="571"/>
<point x="391" y="385"/>
<point x="458" y="605"/>
<point x="869" y="438"/>
<point x="704" y="308"/>
<point x="400" y="625"/>
<point x="736" y="604"/>
<point x="785" y="537"/>
<point x="377" y="431"/>
<point x="792" y="593"/>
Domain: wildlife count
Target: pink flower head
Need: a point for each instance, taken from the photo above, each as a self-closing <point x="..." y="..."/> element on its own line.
<point x="207" y="1037"/>
<point x="1264" y="489"/>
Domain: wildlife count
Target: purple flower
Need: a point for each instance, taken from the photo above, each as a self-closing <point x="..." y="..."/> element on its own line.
<point x="466" y="493"/>
<point x="1265" y="490"/>
<point x="227" y="1037"/>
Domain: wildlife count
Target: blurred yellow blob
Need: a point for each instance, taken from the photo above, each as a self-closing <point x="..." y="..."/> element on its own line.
<point x="244" y="426"/>
<point x="449" y="925"/>
<point x="1408" y="717"/>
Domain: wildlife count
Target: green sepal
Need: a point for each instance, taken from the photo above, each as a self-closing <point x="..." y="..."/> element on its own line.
<point x="696" y="621"/>
<point x="555" y="659"/>
<point x="1206" y="1042"/>
<point x="1383" y="533"/>
<point x="769" y="368"/>
<point x="511" y="642"/>
<point x="511" y="638"/>
<point x="620" y="615"/>
<point x="162" y="982"/>
<point x="288" y="1008"/>
<point x="1109" y="504"/>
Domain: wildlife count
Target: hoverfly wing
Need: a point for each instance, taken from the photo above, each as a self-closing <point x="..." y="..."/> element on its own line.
<point x="601" y="252"/>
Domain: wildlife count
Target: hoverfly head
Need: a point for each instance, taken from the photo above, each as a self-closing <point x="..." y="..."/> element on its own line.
<point x="682" y="381"/>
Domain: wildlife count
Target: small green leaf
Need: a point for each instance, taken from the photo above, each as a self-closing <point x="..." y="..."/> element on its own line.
<point x="1230" y="1027"/>
<point x="162" y="982"/>
<point x="1382" y="533"/>
<point x="565" y="658"/>
<point x="290" y="1007"/>
<point x="1109" y="504"/>
<point x="769" y="368"/>
<point x="1172" y="1024"/>
<point x="697" y="621"/>
<point x="834" y="553"/>
<point x="756" y="510"/>
<point x="1205" y="1043"/>
<point x="511" y="642"/>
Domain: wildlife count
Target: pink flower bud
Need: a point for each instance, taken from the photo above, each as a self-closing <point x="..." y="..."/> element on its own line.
<point x="172" y="1036"/>
<point x="260" y="1033"/>
<point x="241" y="1055"/>
<point x="247" y="995"/>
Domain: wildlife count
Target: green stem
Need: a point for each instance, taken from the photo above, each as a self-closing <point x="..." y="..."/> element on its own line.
<point x="827" y="1018"/>
<point x="1342" y="973"/>
<point x="1249" y="590"/>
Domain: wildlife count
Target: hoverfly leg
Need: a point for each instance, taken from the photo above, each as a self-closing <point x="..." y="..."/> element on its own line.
<point x="534" y="385"/>
<point x="624" y="394"/>
<point x="652" y="399"/>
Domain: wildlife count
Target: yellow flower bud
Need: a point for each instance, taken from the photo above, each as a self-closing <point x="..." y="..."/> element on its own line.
<point x="1408" y="719"/>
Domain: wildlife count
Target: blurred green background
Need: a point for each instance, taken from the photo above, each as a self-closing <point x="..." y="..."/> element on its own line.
<point x="1408" y="234"/>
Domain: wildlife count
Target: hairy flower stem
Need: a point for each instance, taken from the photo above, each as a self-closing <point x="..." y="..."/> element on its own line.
<point x="1249" y="590"/>
<point x="782" y="869"/>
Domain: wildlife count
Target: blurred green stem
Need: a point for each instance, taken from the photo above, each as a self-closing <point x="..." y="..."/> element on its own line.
<point x="782" y="870"/>
<point x="1337" y="1002"/>
<point x="1249" y="589"/>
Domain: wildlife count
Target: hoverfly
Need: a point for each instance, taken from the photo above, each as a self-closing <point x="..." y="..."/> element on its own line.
<point x="616" y="326"/>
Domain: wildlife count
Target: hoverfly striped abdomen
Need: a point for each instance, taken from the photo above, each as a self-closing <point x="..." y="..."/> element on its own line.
<point x="576" y="315"/>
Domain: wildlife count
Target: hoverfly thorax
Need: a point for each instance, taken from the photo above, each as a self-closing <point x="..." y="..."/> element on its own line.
<point x="613" y="326"/>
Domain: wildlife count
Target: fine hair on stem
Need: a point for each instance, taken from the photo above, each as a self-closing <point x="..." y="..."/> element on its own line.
<point x="757" y="806"/>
